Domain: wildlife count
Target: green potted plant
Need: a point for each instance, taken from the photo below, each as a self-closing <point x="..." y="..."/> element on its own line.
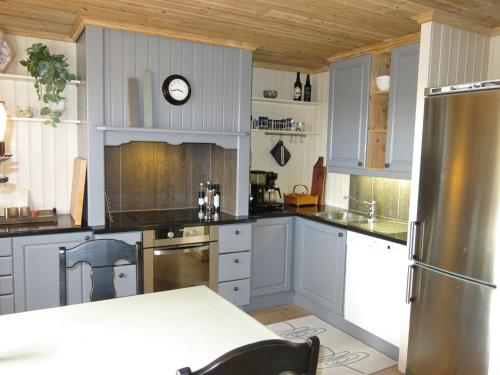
<point x="51" y="75"/>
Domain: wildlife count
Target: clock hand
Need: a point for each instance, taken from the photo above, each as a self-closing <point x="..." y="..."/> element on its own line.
<point x="177" y="90"/>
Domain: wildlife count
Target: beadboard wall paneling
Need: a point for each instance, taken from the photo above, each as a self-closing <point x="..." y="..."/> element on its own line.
<point x="457" y="56"/>
<point x="43" y="157"/>
<point x="219" y="82"/>
<point x="494" y="64"/>
<point x="304" y="151"/>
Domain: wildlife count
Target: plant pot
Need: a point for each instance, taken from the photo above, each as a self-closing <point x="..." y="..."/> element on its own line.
<point x="60" y="106"/>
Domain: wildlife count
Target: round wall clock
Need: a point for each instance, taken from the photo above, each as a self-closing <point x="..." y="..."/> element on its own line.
<point x="176" y="89"/>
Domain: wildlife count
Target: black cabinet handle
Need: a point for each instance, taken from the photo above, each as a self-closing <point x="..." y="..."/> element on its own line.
<point x="236" y="288"/>
<point x="87" y="238"/>
<point x="236" y="260"/>
<point x="387" y="165"/>
<point x="360" y="163"/>
<point x="236" y="232"/>
<point x="341" y="234"/>
<point x="121" y="275"/>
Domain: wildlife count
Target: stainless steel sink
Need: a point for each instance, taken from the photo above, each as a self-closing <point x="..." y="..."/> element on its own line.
<point x="341" y="216"/>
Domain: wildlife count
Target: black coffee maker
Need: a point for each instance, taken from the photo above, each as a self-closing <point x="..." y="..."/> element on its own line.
<point x="265" y="196"/>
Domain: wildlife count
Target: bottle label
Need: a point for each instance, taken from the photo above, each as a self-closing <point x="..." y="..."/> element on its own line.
<point x="297" y="92"/>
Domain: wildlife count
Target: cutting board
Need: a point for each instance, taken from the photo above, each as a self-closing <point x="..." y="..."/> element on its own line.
<point x="78" y="190"/>
<point x="318" y="180"/>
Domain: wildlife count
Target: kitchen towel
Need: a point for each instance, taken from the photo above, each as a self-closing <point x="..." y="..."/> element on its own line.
<point x="280" y="153"/>
<point x="340" y="354"/>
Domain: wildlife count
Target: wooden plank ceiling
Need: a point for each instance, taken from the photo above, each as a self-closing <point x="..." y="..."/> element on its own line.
<point x="294" y="34"/>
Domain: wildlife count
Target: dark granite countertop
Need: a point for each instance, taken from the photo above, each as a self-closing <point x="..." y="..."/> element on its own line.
<point x="65" y="223"/>
<point x="130" y="221"/>
<point x="140" y="220"/>
<point x="390" y="230"/>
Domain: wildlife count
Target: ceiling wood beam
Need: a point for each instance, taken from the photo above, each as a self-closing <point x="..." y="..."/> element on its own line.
<point x="383" y="46"/>
<point x="455" y="21"/>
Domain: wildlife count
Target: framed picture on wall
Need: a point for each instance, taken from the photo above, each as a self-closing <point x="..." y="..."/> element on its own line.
<point x="6" y="53"/>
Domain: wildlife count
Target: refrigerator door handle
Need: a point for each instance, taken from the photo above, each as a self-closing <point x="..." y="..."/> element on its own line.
<point x="413" y="239"/>
<point x="409" y="284"/>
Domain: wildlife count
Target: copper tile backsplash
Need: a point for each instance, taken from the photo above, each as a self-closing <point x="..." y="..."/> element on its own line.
<point x="157" y="175"/>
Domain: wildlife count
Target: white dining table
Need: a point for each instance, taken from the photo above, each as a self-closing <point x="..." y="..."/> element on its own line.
<point x="154" y="333"/>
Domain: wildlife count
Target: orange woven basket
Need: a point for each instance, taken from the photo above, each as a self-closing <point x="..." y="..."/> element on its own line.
<point x="300" y="199"/>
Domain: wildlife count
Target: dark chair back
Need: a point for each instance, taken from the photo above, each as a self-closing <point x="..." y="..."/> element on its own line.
<point x="270" y="357"/>
<point x="101" y="256"/>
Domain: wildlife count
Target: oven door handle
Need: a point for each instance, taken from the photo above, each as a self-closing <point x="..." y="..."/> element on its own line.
<point x="181" y="249"/>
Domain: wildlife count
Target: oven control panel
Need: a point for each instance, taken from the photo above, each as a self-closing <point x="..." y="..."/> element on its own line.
<point x="180" y="231"/>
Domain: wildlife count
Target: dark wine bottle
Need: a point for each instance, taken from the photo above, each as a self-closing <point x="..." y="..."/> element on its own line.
<point x="307" y="90"/>
<point x="297" y="88"/>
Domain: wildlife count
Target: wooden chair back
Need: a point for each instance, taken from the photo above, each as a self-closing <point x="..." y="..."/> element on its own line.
<point x="270" y="357"/>
<point x="101" y="256"/>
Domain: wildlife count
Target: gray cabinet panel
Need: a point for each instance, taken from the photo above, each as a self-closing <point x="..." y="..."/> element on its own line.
<point x="348" y="114"/>
<point x="36" y="270"/>
<point x="217" y="103"/>
<point x="271" y="256"/>
<point x="6" y="304"/>
<point x="319" y="263"/>
<point x="402" y="105"/>
<point x="5" y="247"/>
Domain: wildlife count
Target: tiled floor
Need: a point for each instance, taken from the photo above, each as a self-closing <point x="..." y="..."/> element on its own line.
<point x="286" y="312"/>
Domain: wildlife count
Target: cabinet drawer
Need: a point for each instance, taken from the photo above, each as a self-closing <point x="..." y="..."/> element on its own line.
<point x="5" y="266"/>
<point x="234" y="266"/>
<point x="6" y="304"/>
<point x="237" y="292"/>
<point x="6" y="283"/>
<point x="5" y="247"/>
<point x="235" y="237"/>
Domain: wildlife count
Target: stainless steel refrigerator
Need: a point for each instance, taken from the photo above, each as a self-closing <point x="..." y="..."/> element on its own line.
<point x="455" y="242"/>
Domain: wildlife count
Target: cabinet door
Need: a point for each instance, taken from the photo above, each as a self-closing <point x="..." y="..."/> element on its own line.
<point x="375" y="282"/>
<point x="348" y="114"/>
<point x="271" y="256"/>
<point x="36" y="270"/>
<point x="320" y="263"/>
<point x="402" y="106"/>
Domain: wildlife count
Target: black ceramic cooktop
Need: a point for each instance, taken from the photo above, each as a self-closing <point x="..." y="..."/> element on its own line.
<point x="172" y="216"/>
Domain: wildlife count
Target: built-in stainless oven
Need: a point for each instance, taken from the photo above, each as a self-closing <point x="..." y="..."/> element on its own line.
<point x="179" y="257"/>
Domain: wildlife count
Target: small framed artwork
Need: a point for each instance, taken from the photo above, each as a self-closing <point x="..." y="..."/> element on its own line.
<point x="6" y="53"/>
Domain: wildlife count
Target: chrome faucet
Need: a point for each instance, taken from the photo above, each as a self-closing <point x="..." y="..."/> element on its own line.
<point x="370" y="204"/>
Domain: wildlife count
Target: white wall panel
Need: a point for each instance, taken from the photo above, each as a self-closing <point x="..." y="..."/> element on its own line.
<point x="457" y="56"/>
<point x="494" y="63"/>
<point x="43" y="156"/>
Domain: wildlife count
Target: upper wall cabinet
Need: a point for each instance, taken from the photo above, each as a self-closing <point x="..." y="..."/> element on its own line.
<point x="371" y="131"/>
<point x="219" y="77"/>
<point x="402" y="106"/>
<point x="348" y="114"/>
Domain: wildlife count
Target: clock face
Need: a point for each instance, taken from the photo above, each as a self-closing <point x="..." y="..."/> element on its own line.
<point x="176" y="89"/>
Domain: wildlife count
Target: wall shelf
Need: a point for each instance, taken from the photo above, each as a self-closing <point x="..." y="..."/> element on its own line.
<point x="169" y="131"/>
<point x="38" y="119"/>
<point x="283" y="101"/>
<point x="283" y="132"/>
<point x="26" y="78"/>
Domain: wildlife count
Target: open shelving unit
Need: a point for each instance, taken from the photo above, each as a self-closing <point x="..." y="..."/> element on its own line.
<point x="284" y="101"/>
<point x="378" y="112"/>
<point x="38" y="119"/>
<point x="27" y="78"/>
<point x="284" y="132"/>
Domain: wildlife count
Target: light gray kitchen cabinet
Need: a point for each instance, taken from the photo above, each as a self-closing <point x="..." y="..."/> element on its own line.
<point x="272" y="243"/>
<point x="234" y="261"/>
<point x="402" y="107"/>
<point x="36" y="270"/>
<point x="348" y="114"/>
<point x="319" y="264"/>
